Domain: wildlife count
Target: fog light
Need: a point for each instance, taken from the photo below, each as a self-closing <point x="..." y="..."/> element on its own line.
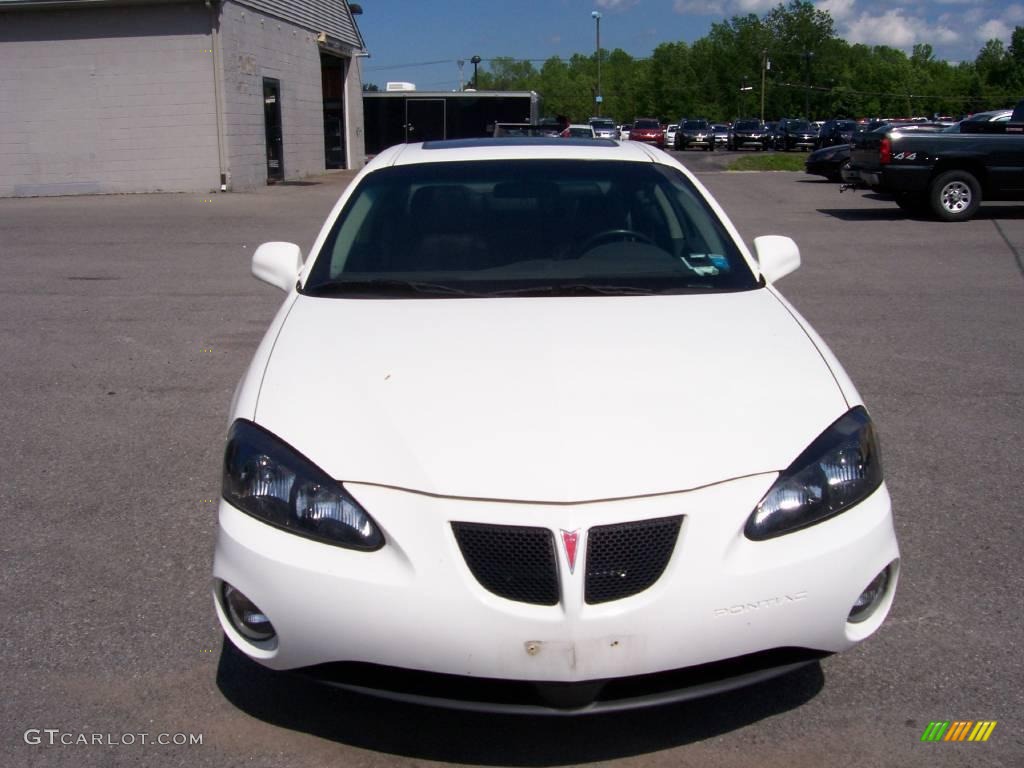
<point x="245" y="617"/>
<point x="872" y="595"/>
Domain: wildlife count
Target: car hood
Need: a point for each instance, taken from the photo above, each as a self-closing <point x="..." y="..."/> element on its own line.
<point x="547" y="399"/>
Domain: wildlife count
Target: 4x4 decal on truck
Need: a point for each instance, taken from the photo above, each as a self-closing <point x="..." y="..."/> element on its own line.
<point x="905" y="156"/>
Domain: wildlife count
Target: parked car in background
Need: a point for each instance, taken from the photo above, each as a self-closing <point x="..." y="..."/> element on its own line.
<point x="649" y="131"/>
<point x="670" y="134"/>
<point x="579" y="131"/>
<point x="771" y="129"/>
<point x="604" y="128"/>
<point x="552" y="126"/>
<point x="943" y="174"/>
<point x="795" y="134"/>
<point x="624" y="131"/>
<point x="694" y="133"/>
<point x="748" y="133"/>
<point x="836" y="132"/>
<point x="510" y="522"/>
<point x="520" y="129"/>
<point x="983" y="122"/>
<point x="721" y="134"/>
<point x="828" y="161"/>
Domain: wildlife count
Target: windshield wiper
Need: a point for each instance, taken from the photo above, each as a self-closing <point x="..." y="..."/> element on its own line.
<point x="577" y="289"/>
<point x="388" y="287"/>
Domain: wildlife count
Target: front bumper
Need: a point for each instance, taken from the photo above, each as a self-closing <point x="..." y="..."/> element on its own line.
<point x="744" y="141"/>
<point x="415" y="605"/>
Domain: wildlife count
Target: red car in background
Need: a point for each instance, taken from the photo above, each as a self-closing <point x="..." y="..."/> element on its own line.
<point x="649" y="131"/>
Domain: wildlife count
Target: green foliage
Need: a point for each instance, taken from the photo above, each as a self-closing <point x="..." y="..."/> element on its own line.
<point x="813" y="74"/>
<point x="774" y="161"/>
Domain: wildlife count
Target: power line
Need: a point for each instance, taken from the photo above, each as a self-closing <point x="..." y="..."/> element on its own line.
<point x="413" y="64"/>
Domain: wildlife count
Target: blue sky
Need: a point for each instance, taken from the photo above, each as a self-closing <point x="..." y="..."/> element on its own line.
<point x="400" y="33"/>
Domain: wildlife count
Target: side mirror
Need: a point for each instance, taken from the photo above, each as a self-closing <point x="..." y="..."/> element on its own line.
<point x="278" y="264"/>
<point x="777" y="255"/>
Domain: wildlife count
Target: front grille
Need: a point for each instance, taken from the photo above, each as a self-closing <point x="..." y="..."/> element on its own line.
<point x="627" y="558"/>
<point x="512" y="561"/>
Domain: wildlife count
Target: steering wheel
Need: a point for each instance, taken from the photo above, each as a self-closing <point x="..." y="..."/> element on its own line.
<point x="613" y="234"/>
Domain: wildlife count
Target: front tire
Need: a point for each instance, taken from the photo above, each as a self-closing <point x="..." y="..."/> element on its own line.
<point x="954" y="196"/>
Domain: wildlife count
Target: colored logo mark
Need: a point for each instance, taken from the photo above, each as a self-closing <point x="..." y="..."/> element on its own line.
<point x="570" y="539"/>
<point x="959" y="730"/>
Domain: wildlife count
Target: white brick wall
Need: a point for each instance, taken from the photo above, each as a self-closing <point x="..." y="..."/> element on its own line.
<point x="107" y="100"/>
<point x="254" y="46"/>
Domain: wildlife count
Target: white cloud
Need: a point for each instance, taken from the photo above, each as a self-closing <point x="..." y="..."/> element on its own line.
<point x="723" y="8"/>
<point x="837" y="9"/>
<point x="752" y="6"/>
<point x="1013" y="14"/>
<point x="700" y="7"/>
<point x="615" y="5"/>
<point x="994" y="29"/>
<point x="897" y="30"/>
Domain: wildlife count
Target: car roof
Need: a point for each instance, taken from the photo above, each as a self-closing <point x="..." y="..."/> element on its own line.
<point x="513" y="148"/>
<point x="990" y="116"/>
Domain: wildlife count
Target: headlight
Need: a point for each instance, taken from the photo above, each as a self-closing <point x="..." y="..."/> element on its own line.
<point x="270" y="480"/>
<point x="840" y="468"/>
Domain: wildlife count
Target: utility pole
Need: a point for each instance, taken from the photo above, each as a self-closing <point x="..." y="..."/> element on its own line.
<point x="475" y="61"/>
<point x="598" y="98"/>
<point x="807" y="85"/>
<point x="764" y="68"/>
<point x="461" y="62"/>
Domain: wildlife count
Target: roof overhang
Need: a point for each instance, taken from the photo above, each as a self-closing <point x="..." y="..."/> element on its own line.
<point x="44" y="5"/>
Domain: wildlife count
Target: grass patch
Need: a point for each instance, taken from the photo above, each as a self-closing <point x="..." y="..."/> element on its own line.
<point x="770" y="161"/>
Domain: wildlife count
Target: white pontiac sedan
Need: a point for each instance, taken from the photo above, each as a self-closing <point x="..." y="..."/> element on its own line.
<point x="533" y="431"/>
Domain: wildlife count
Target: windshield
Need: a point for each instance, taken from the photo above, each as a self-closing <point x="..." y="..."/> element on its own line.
<point x="748" y="125"/>
<point x="647" y="125"/>
<point x="695" y="125"/>
<point x="541" y="227"/>
<point x="603" y="125"/>
<point x="799" y="125"/>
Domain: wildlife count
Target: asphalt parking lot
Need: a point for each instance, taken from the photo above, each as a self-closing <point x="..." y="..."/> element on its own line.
<point x="127" y="321"/>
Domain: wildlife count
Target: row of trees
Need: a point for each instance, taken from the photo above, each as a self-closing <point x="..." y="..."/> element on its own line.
<point x="808" y="71"/>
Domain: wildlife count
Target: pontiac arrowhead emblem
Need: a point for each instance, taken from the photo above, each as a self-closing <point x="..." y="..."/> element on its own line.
<point x="569" y="540"/>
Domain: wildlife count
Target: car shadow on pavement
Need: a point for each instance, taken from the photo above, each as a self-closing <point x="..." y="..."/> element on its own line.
<point x="293" y="702"/>
<point x="893" y="213"/>
<point x="887" y="210"/>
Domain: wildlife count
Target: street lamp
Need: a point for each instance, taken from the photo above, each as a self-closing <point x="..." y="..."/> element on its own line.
<point x="744" y="88"/>
<point x="596" y="15"/>
<point x="475" y="61"/>
<point x="807" y="56"/>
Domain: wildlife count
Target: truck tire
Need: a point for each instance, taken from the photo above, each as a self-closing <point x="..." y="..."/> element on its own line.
<point x="954" y="196"/>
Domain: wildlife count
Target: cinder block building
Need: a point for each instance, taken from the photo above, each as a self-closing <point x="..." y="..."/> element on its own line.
<point x="110" y="96"/>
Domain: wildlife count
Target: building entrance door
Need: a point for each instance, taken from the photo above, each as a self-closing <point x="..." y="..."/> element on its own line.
<point x="272" y="124"/>
<point x="424" y="119"/>
<point x="332" y="75"/>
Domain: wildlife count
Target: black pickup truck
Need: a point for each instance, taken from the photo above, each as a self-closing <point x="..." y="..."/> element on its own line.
<point x="946" y="174"/>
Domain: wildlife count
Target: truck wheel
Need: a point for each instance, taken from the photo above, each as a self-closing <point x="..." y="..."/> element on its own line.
<point x="954" y="196"/>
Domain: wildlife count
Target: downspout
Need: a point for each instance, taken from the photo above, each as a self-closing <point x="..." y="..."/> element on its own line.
<point x="214" y="7"/>
<point x="358" y="66"/>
